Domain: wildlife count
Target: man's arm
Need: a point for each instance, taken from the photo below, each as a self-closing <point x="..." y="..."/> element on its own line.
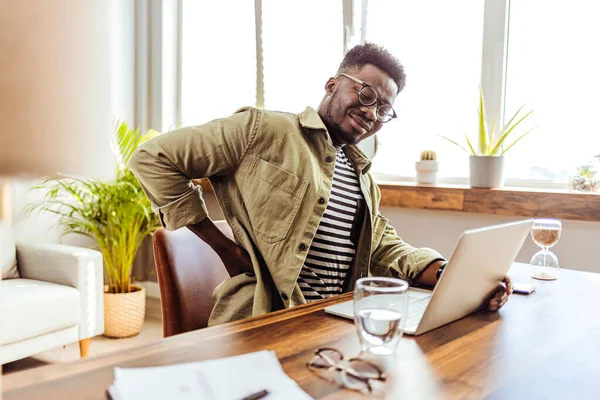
<point x="429" y="276"/>
<point x="166" y="164"/>
<point x="416" y="265"/>
<point x="393" y="256"/>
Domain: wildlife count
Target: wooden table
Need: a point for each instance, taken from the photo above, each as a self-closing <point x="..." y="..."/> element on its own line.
<point x="542" y="346"/>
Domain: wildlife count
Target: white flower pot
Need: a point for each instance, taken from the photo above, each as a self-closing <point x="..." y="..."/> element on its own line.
<point x="486" y="172"/>
<point x="427" y="171"/>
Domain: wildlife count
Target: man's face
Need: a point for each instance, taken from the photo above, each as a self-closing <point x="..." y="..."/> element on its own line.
<point x="347" y="119"/>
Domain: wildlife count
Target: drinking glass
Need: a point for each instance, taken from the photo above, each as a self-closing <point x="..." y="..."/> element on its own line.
<point x="544" y="264"/>
<point x="380" y="312"/>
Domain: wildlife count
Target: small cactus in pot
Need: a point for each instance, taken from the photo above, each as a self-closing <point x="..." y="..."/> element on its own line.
<point x="428" y="155"/>
<point x="427" y="167"/>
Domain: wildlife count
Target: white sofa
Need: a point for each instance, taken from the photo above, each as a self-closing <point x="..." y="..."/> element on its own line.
<point x="57" y="299"/>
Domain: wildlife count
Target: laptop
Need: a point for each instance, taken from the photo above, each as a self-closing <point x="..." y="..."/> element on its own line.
<point x="480" y="261"/>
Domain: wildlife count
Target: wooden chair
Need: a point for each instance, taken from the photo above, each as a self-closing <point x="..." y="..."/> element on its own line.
<point x="188" y="271"/>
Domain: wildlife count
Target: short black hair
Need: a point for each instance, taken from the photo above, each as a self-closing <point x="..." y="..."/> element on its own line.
<point x="370" y="53"/>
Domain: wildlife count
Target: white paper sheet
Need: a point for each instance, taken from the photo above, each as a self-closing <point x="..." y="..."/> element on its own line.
<point x="230" y="378"/>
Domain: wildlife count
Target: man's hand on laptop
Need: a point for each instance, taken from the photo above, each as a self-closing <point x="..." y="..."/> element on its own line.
<point x="500" y="298"/>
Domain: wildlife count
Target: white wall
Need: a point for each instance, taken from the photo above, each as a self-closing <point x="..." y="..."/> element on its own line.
<point x="122" y="46"/>
<point x="440" y="230"/>
<point x="37" y="228"/>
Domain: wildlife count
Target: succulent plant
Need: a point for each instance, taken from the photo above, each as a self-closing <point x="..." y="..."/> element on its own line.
<point x="586" y="171"/>
<point x="428" y="155"/>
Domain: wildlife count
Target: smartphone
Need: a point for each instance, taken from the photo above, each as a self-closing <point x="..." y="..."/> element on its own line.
<point x="523" y="288"/>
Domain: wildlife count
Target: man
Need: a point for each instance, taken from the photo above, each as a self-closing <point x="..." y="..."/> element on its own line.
<point x="296" y="192"/>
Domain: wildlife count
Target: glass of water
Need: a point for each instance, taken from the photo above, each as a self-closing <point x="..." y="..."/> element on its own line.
<point x="380" y="313"/>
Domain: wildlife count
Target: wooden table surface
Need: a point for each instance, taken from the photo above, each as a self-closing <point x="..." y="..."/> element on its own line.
<point x="542" y="346"/>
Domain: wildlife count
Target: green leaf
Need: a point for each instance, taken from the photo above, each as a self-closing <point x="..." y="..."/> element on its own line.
<point x="453" y="142"/>
<point x="508" y="124"/>
<point x="492" y="138"/>
<point x="127" y="140"/>
<point x="587" y="171"/>
<point x="519" y="138"/>
<point x="496" y="149"/>
<point x="483" y="135"/>
<point x="470" y="145"/>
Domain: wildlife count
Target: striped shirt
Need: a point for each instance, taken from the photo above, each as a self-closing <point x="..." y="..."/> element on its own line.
<point x="332" y="251"/>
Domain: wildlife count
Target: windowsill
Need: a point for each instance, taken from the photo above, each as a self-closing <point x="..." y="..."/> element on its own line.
<point x="512" y="201"/>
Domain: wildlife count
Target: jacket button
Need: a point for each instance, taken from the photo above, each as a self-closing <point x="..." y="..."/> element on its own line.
<point x="302" y="247"/>
<point x="284" y="296"/>
<point x="329" y="159"/>
<point x="321" y="201"/>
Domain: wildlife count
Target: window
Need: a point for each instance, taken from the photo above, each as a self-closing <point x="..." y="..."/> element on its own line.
<point x="552" y="68"/>
<point x="547" y="62"/>
<point x="302" y="47"/>
<point x="218" y="59"/>
<point x="440" y="45"/>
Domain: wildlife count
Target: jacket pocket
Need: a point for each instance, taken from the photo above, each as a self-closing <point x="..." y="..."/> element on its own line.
<point x="379" y="224"/>
<point x="273" y="197"/>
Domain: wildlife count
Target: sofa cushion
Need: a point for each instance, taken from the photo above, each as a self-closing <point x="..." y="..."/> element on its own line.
<point x="30" y="308"/>
<point x="8" y="252"/>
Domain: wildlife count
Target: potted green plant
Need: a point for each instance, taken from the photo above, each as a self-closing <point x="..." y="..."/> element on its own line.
<point x="584" y="180"/>
<point x="486" y="162"/>
<point x="115" y="214"/>
<point x="427" y="167"/>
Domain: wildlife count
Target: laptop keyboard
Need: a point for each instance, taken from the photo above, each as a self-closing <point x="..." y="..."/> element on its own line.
<point x="416" y="309"/>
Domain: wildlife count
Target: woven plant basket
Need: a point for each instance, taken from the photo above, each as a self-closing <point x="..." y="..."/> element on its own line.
<point x="124" y="312"/>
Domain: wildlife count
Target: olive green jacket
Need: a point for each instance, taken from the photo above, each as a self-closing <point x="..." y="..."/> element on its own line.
<point x="272" y="174"/>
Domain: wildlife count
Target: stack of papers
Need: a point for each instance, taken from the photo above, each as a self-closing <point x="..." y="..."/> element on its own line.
<point x="232" y="378"/>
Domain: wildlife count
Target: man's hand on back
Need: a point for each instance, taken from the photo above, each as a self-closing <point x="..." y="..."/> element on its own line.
<point x="235" y="258"/>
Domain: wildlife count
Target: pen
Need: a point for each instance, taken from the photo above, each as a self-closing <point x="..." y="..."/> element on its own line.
<point x="257" y="395"/>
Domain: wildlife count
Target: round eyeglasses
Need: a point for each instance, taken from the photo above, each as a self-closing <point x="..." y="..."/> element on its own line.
<point x="367" y="96"/>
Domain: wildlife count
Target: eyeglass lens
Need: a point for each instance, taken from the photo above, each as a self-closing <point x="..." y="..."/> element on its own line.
<point x="368" y="96"/>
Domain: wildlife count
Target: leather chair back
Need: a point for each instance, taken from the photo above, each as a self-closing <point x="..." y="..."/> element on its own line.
<point x="188" y="271"/>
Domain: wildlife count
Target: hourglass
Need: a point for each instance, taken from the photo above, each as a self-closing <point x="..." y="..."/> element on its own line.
<point x="544" y="264"/>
